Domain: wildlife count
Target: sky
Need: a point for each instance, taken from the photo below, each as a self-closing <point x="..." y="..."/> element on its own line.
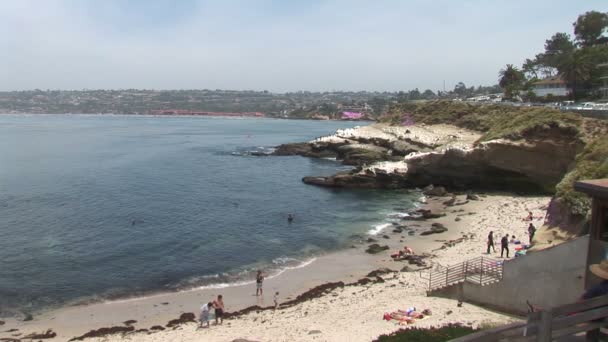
<point x="314" y="45"/>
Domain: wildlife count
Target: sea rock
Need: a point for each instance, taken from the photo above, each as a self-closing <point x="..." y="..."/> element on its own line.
<point x="129" y="322"/>
<point x="370" y="240"/>
<point x="386" y="236"/>
<point x="359" y="154"/>
<point x="300" y="149"/>
<point x="450" y="202"/>
<point x="376" y="248"/>
<point x="437" y="191"/>
<point x="436" y="228"/>
<point x="472" y="197"/>
<point x="428" y="214"/>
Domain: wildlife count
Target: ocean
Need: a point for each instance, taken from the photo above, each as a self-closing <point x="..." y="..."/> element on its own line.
<point x="97" y="207"/>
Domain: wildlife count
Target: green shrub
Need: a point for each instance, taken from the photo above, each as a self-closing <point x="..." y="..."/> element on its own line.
<point x="432" y="334"/>
<point x="592" y="163"/>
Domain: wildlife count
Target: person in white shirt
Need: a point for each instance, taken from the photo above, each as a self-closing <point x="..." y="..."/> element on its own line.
<point x="205" y="314"/>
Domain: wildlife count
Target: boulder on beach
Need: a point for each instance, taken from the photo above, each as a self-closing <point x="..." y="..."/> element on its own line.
<point x="376" y="248"/>
<point x="436" y="228"/>
<point x="437" y="191"/>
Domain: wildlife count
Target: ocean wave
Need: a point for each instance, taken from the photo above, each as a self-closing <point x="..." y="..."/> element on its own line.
<point x="378" y="228"/>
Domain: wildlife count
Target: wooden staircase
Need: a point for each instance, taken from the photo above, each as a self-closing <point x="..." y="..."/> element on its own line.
<point x="480" y="271"/>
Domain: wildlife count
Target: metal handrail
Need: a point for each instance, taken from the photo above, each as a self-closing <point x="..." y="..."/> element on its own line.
<point x="478" y="270"/>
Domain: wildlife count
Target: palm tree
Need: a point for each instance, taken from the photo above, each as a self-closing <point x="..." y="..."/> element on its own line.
<point x="576" y="69"/>
<point x="510" y="79"/>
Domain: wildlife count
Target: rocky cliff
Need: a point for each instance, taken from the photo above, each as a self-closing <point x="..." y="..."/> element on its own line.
<point x="530" y="150"/>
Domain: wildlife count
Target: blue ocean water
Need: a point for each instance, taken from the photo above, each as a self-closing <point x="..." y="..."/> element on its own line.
<point x="95" y="207"/>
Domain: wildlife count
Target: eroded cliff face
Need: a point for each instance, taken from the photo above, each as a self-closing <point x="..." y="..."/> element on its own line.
<point x="444" y="155"/>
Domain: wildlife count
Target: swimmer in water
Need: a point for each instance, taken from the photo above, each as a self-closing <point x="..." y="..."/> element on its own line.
<point x="289" y="218"/>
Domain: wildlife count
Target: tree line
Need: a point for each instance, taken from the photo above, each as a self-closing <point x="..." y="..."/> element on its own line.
<point x="575" y="60"/>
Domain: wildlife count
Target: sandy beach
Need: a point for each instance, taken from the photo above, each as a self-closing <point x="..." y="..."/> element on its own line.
<point x="353" y="312"/>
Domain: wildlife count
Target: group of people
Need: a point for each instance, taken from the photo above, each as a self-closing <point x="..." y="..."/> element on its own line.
<point x="504" y="241"/>
<point x="218" y="305"/>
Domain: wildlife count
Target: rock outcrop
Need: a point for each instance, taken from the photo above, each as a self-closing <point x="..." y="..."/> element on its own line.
<point x="524" y="166"/>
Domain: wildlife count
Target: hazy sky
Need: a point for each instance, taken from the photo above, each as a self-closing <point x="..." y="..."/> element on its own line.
<point x="273" y="45"/>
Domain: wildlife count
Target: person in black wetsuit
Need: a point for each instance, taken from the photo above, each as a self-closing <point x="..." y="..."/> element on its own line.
<point x="289" y="218"/>
<point x="491" y="242"/>
<point x="504" y="245"/>
<point x="531" y="231"/>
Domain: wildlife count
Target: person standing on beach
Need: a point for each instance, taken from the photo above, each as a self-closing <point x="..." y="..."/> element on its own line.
<point x="218" y="304"/>
<point x="491" y="242"/>
<point x="504" y="245"/>
<point x="259" y="280"/>
<point x="276" y="300"/>
<point x="531" y="231"/>
<point x="205" y="314"/>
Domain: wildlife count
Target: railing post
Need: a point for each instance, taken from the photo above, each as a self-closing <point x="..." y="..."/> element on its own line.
<point x="481" y="274"/>
<point x="447" y="271"/>
<point x="466" y="267"/>
<point x="544" y="327"/>
<point x="430" y="277"/>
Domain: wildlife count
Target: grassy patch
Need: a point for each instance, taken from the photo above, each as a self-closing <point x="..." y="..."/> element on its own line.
<point x="592" y="163"/>
<point x="496" y="121"/>
<point x="440" y="334"/>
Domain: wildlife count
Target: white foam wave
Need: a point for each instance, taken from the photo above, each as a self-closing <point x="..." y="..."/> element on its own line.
<point x="378" y="228"/>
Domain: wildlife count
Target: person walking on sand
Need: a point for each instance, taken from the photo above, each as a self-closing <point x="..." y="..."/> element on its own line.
<point x="259" y="280"/>
<point x="218" y="304"/>
<point x="504" y="245"/>
<point x="205" y="314"/>
<point x="531" y="232"/>
<point x="491" y="241"/>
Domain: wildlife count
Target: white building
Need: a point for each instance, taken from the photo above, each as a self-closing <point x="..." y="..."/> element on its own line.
<point x="553" y="86"/>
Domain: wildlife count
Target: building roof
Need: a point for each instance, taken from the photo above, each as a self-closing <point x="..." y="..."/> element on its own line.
<point x="593" y="188"/>
<point x="550" y="80"/>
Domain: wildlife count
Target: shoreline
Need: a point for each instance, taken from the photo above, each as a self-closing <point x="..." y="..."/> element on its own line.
<point x="347" y="266"/>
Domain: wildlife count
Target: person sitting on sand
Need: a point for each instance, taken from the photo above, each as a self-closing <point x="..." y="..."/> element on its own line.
<point x="408" y="250"/>
<point x="218" y="304"/>
<point x="514" y="240"/>
<point x="504" y="245"/>
<point x="531" y="231"/>
<point x="205" y="314"/>
<point x="259" y="280"/>
<point x="491" y="242"/>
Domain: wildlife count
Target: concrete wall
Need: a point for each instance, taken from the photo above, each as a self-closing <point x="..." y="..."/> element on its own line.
<point x="548" y="278"/>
